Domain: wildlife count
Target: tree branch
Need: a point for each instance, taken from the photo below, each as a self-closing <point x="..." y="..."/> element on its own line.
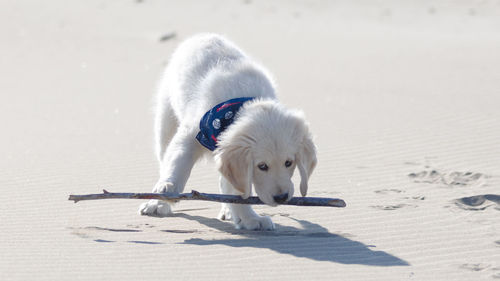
<point x="222" y="198"/>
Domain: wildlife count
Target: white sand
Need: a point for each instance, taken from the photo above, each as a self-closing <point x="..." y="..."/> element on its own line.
<point x="393" y="92"/>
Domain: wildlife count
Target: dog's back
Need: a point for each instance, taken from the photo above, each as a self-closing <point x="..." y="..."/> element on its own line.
<point x="208" y="69"/>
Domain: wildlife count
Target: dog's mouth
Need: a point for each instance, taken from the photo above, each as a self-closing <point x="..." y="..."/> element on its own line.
<point x="280" y="199"/>
<point x="274" y="200"/>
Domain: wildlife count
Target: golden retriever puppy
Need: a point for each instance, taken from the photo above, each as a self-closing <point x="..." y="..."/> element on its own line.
<point x="214" y="99"/>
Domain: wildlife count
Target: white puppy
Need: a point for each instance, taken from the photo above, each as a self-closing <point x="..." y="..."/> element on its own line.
<point x="208" y="75"/>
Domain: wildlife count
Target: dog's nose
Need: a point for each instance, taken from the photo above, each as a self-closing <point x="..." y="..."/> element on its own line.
<point x="281" y="198"/>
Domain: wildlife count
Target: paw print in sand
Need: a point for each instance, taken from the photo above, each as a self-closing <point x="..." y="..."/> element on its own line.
<point x="449" y="179"/>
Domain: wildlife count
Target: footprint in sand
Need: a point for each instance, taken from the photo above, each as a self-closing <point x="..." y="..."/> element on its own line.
<point x="407" y="200"/>
<point x="104" y="241"/>
<point x="392" y="207"/>
<point x="479" y="202"/>
<point x="112" y="229"/>
<point x="482" y="267"/>
<point x="388" y="191"/>
<point x="142" y="225"/>
<point x="449" y="179"/>
<point x="475" y="266"/>
<point x="91" y="232"/>
<point x="181" y="231"/>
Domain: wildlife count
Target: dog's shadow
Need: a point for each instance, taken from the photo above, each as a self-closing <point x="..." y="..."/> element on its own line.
<point x="312" y="242"/>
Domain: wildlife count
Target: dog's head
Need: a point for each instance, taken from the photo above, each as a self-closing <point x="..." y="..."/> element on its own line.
<point x="263" y="147"/>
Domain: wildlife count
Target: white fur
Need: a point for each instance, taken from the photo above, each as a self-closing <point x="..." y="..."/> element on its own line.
<point x="206" y="70"/>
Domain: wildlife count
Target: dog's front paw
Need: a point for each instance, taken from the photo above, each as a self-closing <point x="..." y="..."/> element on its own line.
<point x="225" y="213"/>
<point x="163" y="187"/>
<point x="255" y="223"/>
<point x="155" y="208"/>
<point x="158" y="208"/>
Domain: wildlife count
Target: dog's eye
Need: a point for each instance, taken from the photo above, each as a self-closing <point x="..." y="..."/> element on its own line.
<point x="263" y="167"/>
<point x="288" y="163"/>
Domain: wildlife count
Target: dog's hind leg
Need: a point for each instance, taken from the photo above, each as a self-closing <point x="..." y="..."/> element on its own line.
<point x="165" y="127"/>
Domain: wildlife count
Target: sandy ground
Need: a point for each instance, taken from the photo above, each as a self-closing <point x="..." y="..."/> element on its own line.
<point x="403" y="100"/>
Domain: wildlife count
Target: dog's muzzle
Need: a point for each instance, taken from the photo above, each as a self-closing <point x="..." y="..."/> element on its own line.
<point x="282" y="198"/>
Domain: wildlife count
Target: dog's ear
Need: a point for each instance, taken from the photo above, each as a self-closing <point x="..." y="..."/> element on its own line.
<point x="235" y="164"/>
<point x="306" y="161"/>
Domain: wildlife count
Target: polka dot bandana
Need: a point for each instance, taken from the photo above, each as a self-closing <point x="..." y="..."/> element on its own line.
<point x="217" y="120"/>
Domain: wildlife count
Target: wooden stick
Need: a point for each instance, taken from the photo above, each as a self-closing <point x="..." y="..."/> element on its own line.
<point x="195" y="195"/>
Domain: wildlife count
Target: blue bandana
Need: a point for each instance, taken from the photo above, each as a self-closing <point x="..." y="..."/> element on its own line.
<point x="217" y="120"/>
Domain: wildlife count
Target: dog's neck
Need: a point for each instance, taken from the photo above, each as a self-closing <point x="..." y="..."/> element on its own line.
<point x="217" y="119"/>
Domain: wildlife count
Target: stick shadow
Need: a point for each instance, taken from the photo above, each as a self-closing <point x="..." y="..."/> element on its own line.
<point x="312" y="241"/>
